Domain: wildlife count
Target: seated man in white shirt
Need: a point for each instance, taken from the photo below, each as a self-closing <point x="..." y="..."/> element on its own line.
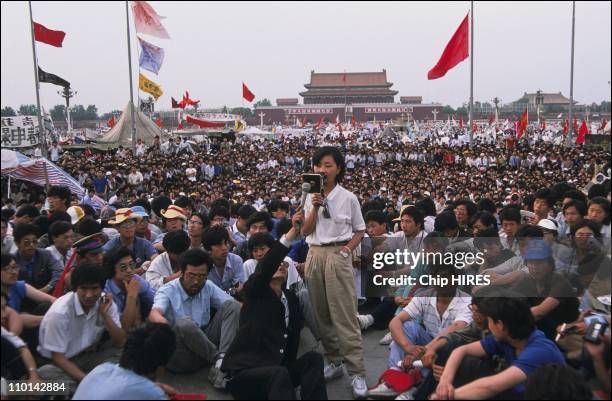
<point x="442" y="309"/>
<point x="72" y="330"/>
<point x="165" y="268"/>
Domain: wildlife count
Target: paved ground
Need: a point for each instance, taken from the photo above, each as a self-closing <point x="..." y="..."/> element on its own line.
<point x="375" y="361"/>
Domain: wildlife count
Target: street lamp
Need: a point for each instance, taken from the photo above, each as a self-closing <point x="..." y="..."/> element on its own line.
<point x="539" y="100"/>
<point x="67" y="93"/>
<point x="496" y="101"/>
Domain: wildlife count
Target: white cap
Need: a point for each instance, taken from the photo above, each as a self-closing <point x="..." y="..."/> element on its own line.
<point x="549" y="224"/>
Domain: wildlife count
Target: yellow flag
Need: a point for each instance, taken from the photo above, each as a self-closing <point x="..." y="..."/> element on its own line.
<point x="146" y="85"/>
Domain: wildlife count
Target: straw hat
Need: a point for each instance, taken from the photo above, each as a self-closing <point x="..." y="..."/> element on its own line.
<point x="124" y="214"/>
<point x="76" y="213"/>
<point x="174" y="212"/>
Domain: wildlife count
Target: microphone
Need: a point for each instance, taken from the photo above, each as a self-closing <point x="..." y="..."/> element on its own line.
<point x="305" y="192"/>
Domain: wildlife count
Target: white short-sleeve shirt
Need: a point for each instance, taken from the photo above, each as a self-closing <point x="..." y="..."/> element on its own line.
<point x="345" y="218"/>
<point x="67" y="329"/>
<point x="424" y="308"/>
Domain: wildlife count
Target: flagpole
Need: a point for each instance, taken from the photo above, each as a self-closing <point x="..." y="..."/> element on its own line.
<point x="41" y="129"/>
<point x="345" y="98"/>
<point x="127" y="17"/>
<point x="570" y="123"/>
<point x="470" y="111"/>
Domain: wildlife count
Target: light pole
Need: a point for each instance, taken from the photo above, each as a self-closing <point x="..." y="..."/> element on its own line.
<point x="67" y="93"/>
<point x="496" y="101"/>
<point x="435" y="114"/>
<point x="539" y="100"/>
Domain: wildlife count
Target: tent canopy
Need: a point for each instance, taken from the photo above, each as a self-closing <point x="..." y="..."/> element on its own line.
<point x="121" y="133"/>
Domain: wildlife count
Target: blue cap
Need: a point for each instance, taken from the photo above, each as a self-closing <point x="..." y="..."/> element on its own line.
<point x="139" y="210"/>
<point x="537" y="249"/>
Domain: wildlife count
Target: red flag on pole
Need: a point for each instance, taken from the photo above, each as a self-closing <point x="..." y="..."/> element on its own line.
<point x="565" y="126"/>
<point x="247" y="94"/>
<point x="460" y="123"/>
<point x="111" y="123"/>
<point x="158" y="122"/>
<point x="543" y="124"/>
<point x="582" y="133"/>
<point x="575" y="124"/>
<point x="318" y="124"/>
<point x="455" y="51"/>
<point x="522" y="125"/>
<point x="48" y="36"/>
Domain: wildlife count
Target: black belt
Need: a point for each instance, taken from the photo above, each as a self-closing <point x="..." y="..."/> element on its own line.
<point x="341" y="243"/>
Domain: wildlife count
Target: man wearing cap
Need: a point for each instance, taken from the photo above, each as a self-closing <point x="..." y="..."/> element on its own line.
<point x="553" y="300"/>
<point x="88" y="250"/>
<point x="144" y="229"/>
<point x="125" y="221"/>
<point x="173" y="219"/>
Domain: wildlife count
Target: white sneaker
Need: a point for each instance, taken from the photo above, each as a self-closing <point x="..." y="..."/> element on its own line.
<point x="386" y="340"/>
<point x="332" y="371"/>
<point x="216" y="377"/>
<point x="382" y="391"/>
<point x="407" y="395"/>
<point x="360" y="388"/>
<point x="365" y="321"/>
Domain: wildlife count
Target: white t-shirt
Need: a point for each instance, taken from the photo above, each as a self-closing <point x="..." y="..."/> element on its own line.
<point x="345" y="218"/>
<point x="67" y="329"/>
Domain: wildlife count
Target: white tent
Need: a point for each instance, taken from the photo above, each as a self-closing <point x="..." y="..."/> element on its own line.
<point x="121" y="133"/>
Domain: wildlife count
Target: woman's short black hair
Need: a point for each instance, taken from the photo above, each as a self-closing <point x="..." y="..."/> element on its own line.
<point x="260" y="239"/>
<point x="335" y="153"/>
<point x="219" y="211"/>
<point x="147" y="348"/>
<point x="596" y="228"/>
<point x="486" y="218"/>
<point x="113" y="257"/>
<point x="469" y="206"/>
<point x="88" y="273"/>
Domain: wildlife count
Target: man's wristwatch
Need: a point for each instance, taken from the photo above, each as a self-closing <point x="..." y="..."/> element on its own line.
<point x="344" y="253"/>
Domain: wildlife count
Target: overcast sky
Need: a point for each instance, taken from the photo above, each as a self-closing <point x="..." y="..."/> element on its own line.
<point x="273" y="46"/>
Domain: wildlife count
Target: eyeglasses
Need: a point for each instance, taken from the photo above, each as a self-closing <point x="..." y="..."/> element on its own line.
<point x="11" y="269"/>
<point x="124" y="267"/>
<point x="196" y="222"/>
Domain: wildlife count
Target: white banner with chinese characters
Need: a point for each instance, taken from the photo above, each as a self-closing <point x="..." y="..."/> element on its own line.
<point x="19" y="132"/>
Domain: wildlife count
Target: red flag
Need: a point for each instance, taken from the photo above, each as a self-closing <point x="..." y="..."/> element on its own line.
<point x="603" y="124"/>
<point x="180" y="126"/>
<point x="543" y="125"/>
<point x="575" y="124"/>
<point x="584" y="130"/>
<point x="522" y="125"/>
<point x="565" y="126"/>
<point x="111" y="123"/>
<point x="247" y="94"/>
<point x="175" y="104"/>
<point x="318" y="124"/>
<point x="204" y="123"/>
<point x="491" y="119"/>
<point x="460" y="123"/>
<point x="48" y="36"/>
<point x="158" y="122"/>
<point x="353" y="121"/>
<point x="344" y="77"/>
<point x="455" y="51"/>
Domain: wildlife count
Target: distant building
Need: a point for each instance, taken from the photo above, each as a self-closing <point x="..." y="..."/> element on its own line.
<point x="349" y="88"/>
<point x="364" y="96"/>
<point x="552" y="102"/>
